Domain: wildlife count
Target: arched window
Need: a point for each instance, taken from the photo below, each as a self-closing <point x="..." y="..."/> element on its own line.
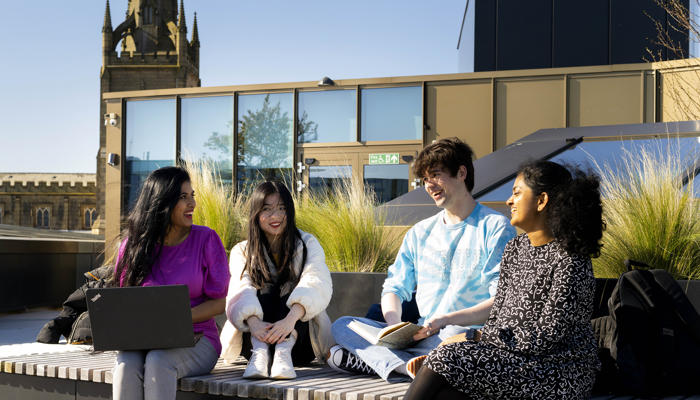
<point x="42" y="217"/>
<point x="89" y="216"/>
<point x="1" y="215"/>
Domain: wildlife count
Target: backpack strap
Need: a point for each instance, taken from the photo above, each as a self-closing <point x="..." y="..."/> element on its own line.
<point x="639" y="280"/>
<point x="684" y="308"/>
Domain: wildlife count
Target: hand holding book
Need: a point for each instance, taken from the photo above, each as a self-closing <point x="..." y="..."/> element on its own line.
<point x="396" y="336"/>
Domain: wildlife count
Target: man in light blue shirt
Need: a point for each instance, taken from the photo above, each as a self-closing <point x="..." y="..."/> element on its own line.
<point x="451" y="260"/>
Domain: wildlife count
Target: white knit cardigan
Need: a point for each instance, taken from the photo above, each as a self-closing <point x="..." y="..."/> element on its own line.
<point x="313" y="292"/>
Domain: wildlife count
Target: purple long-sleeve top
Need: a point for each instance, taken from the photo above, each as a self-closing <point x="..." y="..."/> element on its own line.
<point x="198" y="262"/>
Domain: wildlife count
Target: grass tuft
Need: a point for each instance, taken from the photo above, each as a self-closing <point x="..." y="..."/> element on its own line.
<point x="649" y="216"/>
<point x="350" y="226"/>
<point x="217" y="205"/>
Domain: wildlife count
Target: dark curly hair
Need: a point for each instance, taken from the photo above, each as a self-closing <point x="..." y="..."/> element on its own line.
<point x="574" y="212"/>
<point x="450" y="153"/>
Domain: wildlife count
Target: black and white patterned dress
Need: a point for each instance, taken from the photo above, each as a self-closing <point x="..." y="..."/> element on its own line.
<point x="538" y="342"/>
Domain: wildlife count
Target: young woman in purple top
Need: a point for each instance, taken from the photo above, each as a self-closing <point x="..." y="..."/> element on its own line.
<point x="163" y="247"/>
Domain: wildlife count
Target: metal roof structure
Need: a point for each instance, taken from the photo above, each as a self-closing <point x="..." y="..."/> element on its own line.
<point x="502" y="165"/>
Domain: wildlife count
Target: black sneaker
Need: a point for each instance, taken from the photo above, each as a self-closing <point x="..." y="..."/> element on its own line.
<point x="344" y="361"/>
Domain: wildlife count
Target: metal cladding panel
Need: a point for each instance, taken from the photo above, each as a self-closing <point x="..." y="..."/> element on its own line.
<point x="524" y="34"/>
<point x="580" y="33"/>
<point x="632" y="30"/>
<point x="484" y="35"/>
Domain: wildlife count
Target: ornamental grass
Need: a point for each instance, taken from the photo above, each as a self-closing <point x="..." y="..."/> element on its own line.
<point x="650" y="216"/>
<point x="218" y="207"/>
<point x="350" y="226"/>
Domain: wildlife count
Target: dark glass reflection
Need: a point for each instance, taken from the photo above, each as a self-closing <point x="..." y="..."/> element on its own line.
<point x="391" y="113"/>
<point x="388" y="181"/>
<point x="323" y="178"/>
<point x="265" y="138"/>
<point x="206" y="132"/>
<point x="150" y="142"/>
<point x="607" y="154"/>
<point x="327" y="116"/>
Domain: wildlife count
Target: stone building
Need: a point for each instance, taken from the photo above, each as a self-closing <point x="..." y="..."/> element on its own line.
<point x="155" y="54"/>
<point x="50" y="201"/>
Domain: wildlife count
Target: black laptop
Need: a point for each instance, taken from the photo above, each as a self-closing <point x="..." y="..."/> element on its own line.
<point x="140" y="317"/>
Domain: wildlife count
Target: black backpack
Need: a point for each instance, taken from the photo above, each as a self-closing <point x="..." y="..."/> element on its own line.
<point x="650" y="342"/>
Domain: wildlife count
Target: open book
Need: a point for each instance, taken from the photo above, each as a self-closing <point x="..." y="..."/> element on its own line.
<point x="395" y="336"/>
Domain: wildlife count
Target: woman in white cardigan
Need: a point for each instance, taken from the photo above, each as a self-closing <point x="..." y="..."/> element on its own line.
<point x="279" y="290"/>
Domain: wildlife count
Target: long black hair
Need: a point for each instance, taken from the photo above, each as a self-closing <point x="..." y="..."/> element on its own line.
<point x="574" y="211"/>
<point x="255" y="263"/>
<point x="148" y="223"/>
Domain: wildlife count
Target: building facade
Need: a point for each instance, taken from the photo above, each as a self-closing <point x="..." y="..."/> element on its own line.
<point x="311" y="133"/>
<point x="154" y="54"/>
<point x="49" y="201"/>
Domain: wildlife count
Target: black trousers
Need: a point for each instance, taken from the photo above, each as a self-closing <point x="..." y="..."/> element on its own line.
<point x="274" y="309"/>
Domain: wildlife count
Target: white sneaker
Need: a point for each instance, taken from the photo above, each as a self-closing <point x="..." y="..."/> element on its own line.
<point x="344" y="361"/>
<point x="259" y="360"/>
<point x="282" y="366"/>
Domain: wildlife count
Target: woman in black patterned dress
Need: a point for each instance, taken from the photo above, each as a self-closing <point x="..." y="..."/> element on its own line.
<point x="538" y="342"/>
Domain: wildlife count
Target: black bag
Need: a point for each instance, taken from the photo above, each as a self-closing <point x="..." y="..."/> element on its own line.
<point x="73" y="321"/>
<point x="650" y="342"/>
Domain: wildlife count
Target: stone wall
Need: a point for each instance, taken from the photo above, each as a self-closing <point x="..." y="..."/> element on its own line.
<point x="65" y="197"/>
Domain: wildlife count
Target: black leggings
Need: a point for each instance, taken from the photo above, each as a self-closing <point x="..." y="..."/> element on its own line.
<point x="431" y="385"/>
<point x="274" y="309"/>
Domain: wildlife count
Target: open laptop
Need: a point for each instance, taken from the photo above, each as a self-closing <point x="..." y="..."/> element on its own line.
<point x="140" y="317"/>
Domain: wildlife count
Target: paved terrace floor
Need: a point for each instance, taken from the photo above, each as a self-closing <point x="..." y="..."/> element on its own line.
<point x="61" y="364"/>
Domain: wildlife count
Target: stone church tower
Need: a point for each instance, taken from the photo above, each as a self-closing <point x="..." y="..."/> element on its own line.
<point x="155" y="54"/>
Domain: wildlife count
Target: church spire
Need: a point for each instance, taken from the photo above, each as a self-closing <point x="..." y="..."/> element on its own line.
<point x="181" y="23"/>
<point x="195" y="32"/>
<point x="107" y="26"/>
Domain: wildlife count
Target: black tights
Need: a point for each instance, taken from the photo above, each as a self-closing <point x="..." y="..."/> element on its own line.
<point x="431" y="385"/>
<point x="274" y="309"/>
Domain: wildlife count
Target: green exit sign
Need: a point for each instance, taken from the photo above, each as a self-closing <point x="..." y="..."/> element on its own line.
<point x="384" y="158"/>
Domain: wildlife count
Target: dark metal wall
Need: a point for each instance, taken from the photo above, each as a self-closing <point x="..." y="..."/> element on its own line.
<point x="516" y="34"/>
<point x="43" y="272"/>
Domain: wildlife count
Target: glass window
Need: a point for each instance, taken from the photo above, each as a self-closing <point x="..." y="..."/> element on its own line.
<point x="206" y="132"/>
<point x="150" y="142"/>
<point x="607" y="154"/>
<point x="327" y="116"/>
<point x="42" y="217"/>
<point x="265" y="137"/>
<point x="0" y="215"/>
<point x="388" y="181"/>
<point x="322" y="178"/>
<point x="89" y="217"/>
<point x="392" y="113"/>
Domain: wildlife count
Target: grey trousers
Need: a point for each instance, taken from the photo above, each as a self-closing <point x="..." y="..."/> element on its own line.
<point x="151" y="375"/>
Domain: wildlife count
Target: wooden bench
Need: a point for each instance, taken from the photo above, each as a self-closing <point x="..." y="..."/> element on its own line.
<point x="225" y="381"/>
<point x="86" y="375"/>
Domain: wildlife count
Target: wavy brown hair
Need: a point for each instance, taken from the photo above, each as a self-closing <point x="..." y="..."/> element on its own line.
<point x="450" y="154"/>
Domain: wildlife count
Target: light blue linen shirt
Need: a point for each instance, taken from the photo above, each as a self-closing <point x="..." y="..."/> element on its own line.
<point x="451" y="266"/>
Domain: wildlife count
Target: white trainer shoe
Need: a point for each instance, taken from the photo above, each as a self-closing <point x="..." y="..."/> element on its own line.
<point x="282" y="366"/>
<point x="259" y="360"/>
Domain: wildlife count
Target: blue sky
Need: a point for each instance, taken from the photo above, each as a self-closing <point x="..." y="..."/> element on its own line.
<point x="49" y="73"/>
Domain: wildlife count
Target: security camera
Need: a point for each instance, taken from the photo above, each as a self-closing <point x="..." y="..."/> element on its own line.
<point x="111" y="119"/>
